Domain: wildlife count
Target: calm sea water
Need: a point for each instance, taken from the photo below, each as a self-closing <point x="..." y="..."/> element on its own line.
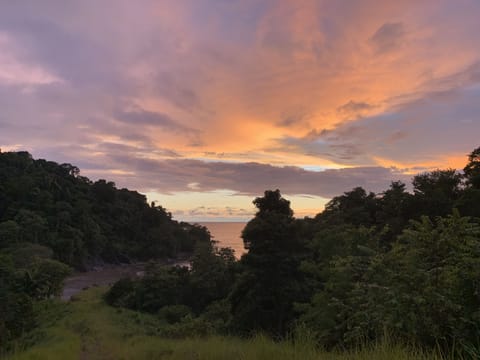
<point x="227" y="234"/>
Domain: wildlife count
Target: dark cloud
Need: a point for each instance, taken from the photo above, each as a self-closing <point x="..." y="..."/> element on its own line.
<point x="388" y="37"/>
<point x="214" y="154"/>
<point x="160" y="171"/>
<point x="294" y="118"/>
<point x="288" y="121"/>
<point x="110" y="147"/>
<point x="155" y="171"/>
<point x="167" y="176"/>
<point x="355" y="107"/>
<point x="140" y="117"/>
<point x="397" y="136"/>
<point x="177" y="90"/>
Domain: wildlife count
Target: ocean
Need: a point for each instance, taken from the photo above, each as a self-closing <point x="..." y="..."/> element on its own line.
<point x="228" y="234"/>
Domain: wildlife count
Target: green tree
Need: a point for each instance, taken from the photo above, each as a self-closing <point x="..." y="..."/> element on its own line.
<point x="212" y="275"/>
<point x="16" y="307"/>
<point x="394" y="211"/>
<point x="355" y="207"/>
<point x="47" y="277"/>
<point x="424" y="290"/>
<point x="340" y="265"/>
<point x="472" y="169"/>
<point x="9" y="233"/>
<point x="24" y="255"/>
<point x="432" y="280"/>
<point x="161" y="286"/>
<point x="435" y="192"/>
<point x="104" y="191"/>
<point x="31" y="224"/>
<point x="469" y="202"/>
<point x="263" y="296"/>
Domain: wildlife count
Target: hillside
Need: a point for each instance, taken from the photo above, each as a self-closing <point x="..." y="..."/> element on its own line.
<point x="80" y="222"/>
<point x="89" y="329"/>
<point x="53" y="221"/>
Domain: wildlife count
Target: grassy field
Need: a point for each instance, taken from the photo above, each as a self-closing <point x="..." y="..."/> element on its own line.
<point x="88" y="329"/>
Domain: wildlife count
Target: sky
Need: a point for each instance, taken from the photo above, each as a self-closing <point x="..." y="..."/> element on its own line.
<point x="204" y="104"/>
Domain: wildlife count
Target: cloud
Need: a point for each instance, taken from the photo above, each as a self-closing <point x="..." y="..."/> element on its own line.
<point x="422" y="131"/>
<point x="353" y="108"/>
<point x="176" y="90"/>
<point x="294" y="118"/>
<point x="178" y="175"/>
<point x="162" y="91"/>
<point x="242" y="72"/>
<point x="111" y="147"/>
<point x="216" y="212"/>
<point x="388" y="37"/>
<point x="140" y="117"/>
<point x="17" y="72"/>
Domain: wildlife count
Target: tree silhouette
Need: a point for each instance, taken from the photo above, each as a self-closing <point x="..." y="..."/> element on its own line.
<point x="263" y="297"/>
<point x="472" y="169"/>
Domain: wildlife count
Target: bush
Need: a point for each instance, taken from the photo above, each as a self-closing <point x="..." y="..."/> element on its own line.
<point x="120" y="294"/>
<point x="174" y="313"/>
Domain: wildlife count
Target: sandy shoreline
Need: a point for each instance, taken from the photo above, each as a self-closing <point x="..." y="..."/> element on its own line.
<point x="105" y="275"/>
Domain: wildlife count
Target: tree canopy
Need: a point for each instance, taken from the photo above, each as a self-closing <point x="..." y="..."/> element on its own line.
<point x="82" y="221"/>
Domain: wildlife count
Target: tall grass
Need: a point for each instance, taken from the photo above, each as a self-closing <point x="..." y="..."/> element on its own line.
<point x="93" y="330"/>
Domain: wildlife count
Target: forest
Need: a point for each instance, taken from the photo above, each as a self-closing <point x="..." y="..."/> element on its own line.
<point x="401" y="264"/>
<point x="54" y="221"/>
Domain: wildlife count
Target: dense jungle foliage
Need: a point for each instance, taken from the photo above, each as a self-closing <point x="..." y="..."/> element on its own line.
<point x="53" y="220"/>
<point x="405" y="264"/>
<point x="87" y="328"/>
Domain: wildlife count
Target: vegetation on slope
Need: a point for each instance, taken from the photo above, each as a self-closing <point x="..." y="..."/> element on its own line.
<point x="89" y="329"/>
<point x="53" y="219"/>
<point x="80" y="221"/>
<point x="401" y="263"/>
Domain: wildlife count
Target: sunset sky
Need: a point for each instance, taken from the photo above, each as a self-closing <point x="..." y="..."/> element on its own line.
<point x="204" y="104"/>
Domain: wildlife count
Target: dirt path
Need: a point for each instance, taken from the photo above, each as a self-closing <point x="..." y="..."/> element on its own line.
<point x="106" y="275"/>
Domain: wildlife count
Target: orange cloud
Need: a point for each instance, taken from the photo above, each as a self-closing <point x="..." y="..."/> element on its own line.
<point x="312" y="58"/>
<point x="316" y="84"/>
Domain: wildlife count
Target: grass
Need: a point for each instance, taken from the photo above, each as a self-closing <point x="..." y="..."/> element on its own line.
<point x="90" y="329"/>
